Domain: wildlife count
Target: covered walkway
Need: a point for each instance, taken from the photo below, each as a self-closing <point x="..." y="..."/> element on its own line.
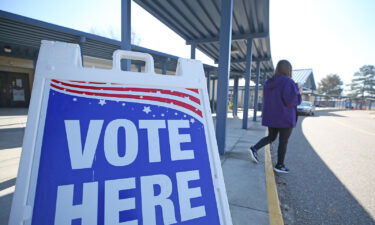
<point x="239" y="43"/>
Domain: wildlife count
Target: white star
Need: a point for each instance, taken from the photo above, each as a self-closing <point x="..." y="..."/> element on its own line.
<point x="123" y="104"/>
<point x="192" y="120"/>
<point x="146" y="109"/>
<point x="162" y="114"/>
<point x="102" y="102"/>
<point x="185" y="116"/>
<point x="153" y="115"/>
<point x="175" y="113"/>
<point x="74" y="99"/>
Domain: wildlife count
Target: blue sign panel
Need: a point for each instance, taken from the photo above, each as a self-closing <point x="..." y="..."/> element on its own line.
<point x="113" y="154"/>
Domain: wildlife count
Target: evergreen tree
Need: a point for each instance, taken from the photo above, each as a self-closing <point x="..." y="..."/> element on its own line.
<point x="330" y="85"/>
<point x="363" y="83"/>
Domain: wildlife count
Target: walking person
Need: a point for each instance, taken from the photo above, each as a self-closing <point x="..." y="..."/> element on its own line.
<point x="279" y="114"/>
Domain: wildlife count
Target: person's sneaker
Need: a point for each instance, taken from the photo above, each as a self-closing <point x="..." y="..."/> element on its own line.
<point x="281" y="169"/>
<point x="253" y="154"/>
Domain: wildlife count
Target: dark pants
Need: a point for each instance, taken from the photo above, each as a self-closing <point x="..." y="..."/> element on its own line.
<point x="283" y="141"/>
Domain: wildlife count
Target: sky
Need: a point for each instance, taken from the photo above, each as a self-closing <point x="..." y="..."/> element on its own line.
<point x="328" y="36"/>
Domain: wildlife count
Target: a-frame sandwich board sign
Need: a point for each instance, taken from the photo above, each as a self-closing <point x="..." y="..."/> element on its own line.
<point x="114" y="147"/>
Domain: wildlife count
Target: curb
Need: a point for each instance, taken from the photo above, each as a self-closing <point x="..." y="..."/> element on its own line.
<point x="274" y="211"/>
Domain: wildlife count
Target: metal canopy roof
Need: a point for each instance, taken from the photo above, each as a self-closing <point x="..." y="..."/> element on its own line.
<point x="198" y="22"/>
<point x="304" y="77"/>
<point x="24" y="36"/>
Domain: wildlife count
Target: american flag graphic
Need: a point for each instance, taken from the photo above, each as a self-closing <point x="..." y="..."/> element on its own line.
<point x="186" y="100"/>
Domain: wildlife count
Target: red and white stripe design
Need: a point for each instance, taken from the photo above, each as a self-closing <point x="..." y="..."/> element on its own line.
<point x="187" y="99"/>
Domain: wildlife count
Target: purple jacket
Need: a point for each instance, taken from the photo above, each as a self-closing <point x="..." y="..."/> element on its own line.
<point x="281" y="97"/>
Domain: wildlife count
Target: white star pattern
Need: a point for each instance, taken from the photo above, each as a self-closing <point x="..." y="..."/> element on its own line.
<point x="102" y="102"/>
<point x="185" y="116"/>
<point x="162" y="114"/>
<point x="192" y="120"/>
<point x="175" y="114"/>
<point x="123" y="104"/>
<point x="74" y="99"/>
<point x="146" y="109"/>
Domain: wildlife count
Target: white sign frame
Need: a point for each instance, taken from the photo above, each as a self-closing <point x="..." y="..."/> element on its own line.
<point x="59" y="60"/>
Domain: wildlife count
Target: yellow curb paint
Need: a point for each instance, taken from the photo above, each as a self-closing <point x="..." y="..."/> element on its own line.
<point x="274" y="211"/>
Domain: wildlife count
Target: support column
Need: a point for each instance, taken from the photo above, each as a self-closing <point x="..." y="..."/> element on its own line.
<point x="249" y="56"/>
<point x="263" y="84"/>
<point x="235" y="96"/>
<point x="126" y="32"/>
<point x="213" y="96"/>
<point x="35" y="59"/>
<point x="256" y="92"/>
<point x="208" y="83"/>
<point x="81" y="41"/>
<point x="225" y="42"/>
<point x="139" y="66"/>
<point x="192" y="50"/>
<point x="164" y="68"/>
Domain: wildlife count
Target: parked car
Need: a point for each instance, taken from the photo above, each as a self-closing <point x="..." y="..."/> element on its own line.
<point x="306" y="108"/>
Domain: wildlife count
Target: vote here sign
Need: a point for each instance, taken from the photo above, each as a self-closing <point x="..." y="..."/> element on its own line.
<point x="114" y="153"/>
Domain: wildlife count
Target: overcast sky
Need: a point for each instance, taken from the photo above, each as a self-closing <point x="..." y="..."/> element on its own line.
<point x="329" y="36"/>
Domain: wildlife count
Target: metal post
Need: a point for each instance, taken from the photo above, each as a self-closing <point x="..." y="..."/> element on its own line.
<point x="256" y="92"/>
<point x="213" y="96"/>
<point x="139" y="66"/>
<point x="164" y="68"/>
<point x="81" y="41"/>
<point x="235" y="97"/>
<point x="223" y="75"/>
<point x="263" y="84"/>
<point x="126" y="31"/>
<point x="249" y="56"/>
<point x="208" y="83"/>
<point x="35" y="59"/>
<point x="192" y="50"/>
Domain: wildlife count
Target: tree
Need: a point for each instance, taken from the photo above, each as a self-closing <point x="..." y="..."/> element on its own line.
<point x="363" y="83"/>
<point x="330" y="85"/>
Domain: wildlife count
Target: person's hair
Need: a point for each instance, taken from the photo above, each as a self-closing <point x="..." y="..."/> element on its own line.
<point x="284" y="68"/>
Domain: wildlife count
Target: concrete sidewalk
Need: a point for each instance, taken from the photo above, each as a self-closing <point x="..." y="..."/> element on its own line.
<point x="245" y="181"/>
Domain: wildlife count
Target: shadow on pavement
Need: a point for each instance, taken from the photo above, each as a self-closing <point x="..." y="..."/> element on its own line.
<point x="8" y="183"/>
<point x="5" y="205"/>
<point x="11" y="137"/>
<point x="311" y="193"/>
<point x="13" y="111"/>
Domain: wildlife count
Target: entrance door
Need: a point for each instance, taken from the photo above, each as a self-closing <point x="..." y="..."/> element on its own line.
<point x="14" y="89"/>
